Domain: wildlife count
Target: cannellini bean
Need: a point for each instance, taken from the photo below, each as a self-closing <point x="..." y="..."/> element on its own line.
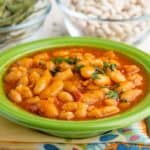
<point x="43" y="82"/>
<point x="81" y="112"/>
<point x="101" y="33"/>
<point x="111" y="9"/>
<point x="117" y="76"/>
<point x="106" y="29"/>
<point x="70" y="106"/>
<point x="64" y="75"/>
<point x="124" y="86"/>
<point x="66" y="115"/>
<point x="110" y="102"/>
<point x="136" y="79"/>
<point x="23" y="69"/>
<point x="124" y="105"/>
<point x="61" y="53"/>
<point x="113" y="61"/>
<point x="97" y="62"/>
<point x="109" y="110"/>
<point x="89" y="56"/>
<point x="92" y="97"/>
<point x="130" y="95"/>
<point x="131" y="69"/>
<point x="48" y="109"/>
<point x="25" y="62"/>
<point x="24" y="80"/>
<point x="87" y="71"/>
<point x="65" y="96"/>
<point x="99" y="93"/>
<point x="15" y="96"/>
<point x="118" y="29"/>
<point x="53" y="89"/>
<point x="102" y="80"/>
<point x="51" y="99"/>
<point x="13" y="76"/>
<point x="83" y="62"/>
<point x="64" y="66"/>
<point x="24" y="91"/>
<point x="38" y="70"/>
<point x="92" y="86"/>
<point x="110" y="55"/>
<point x="34" y="77"/>
<point x="89" y="98"/>
<point x="41" y="56"/>
<point x="77" y="55"/>
<point x="96" y="113"/>
<point x="68" y="86"/>
<point x="50" y="65"/>
<point x="33" y="100"/>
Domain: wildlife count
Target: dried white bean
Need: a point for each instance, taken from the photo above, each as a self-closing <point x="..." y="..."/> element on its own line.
<point x="112" y="9"/>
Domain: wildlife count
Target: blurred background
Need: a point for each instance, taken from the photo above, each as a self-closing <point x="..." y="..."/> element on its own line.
<point x="122" y="20"/>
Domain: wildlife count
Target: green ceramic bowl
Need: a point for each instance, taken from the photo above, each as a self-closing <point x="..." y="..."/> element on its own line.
<point x="72" y="129"/>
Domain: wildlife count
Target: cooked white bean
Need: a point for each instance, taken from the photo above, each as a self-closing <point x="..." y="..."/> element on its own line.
<point x="130" y="95"/>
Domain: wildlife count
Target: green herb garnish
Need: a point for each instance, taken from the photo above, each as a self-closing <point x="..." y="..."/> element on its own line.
<point x="112" y="94"/>
<point x="107" y="65"/>
<point x="113" y="67"/>
<point x="78" y="67"/>
<point x="70" y="61"/>
<point x="55" y="71"/>
<point x="99" y="70"/>
<point x="58" y="60"/>
<point x="95" y="76"/>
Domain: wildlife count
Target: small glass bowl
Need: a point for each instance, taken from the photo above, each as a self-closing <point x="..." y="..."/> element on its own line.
<point x="28" y="27"/>
<point x="131" y="30"/>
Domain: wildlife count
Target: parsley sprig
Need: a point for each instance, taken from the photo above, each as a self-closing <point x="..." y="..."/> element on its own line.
<point x="99" y="70"/>
<point x="112" y="94"/>
<point x="95" y="76"/>
<point x="107" y="65"/>
<point x="78" y="67"/>
<point x="70" y="61"/>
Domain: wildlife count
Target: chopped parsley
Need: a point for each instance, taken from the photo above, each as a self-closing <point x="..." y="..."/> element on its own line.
<point x="107" y="65"/>
<point x="95" y="76"/>
<point x="78" y="67"/>
<point x="58" y="60"/>
<point x="99" y="70"/>
<point x="70" y="61"/>
<point x="55" y="71"/>
<point x="113" y="67"/>
<point x="112" y="94"/>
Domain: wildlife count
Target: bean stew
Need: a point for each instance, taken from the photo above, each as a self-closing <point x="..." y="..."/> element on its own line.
<point x="75" y="83"/>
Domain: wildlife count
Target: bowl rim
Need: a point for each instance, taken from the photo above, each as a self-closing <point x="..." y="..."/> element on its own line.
<point x="12" y="112"/>
<point x="31" y="22"/>
<point x="83" y="16"/>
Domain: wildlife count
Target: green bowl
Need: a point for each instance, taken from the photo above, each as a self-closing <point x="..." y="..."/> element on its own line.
<point x="72" y="129"/>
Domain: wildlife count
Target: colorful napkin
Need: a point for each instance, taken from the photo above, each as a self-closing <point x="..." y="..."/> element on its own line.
<point x="15" y="137"/>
